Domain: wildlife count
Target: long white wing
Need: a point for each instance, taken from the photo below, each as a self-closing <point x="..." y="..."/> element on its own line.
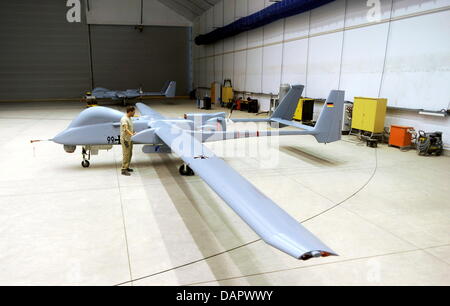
<point x="266" y="218"/>
<point x="148" y="112"/>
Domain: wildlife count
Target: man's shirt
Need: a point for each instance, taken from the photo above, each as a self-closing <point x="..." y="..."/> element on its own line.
<point x="126" y="124"/>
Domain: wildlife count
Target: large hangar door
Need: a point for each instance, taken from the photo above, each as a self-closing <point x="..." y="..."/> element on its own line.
<point x="124" y="58"/>
<point x="42" y="55"/>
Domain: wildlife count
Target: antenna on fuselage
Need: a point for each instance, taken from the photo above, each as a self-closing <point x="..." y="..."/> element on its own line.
<point x="40" y="140"/>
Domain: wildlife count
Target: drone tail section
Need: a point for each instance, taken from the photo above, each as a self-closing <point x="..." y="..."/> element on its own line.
<point x="329" y="125"/>
<point x="171" y="89"/>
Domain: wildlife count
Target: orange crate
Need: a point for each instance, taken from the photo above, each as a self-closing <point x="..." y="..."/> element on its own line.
<point x="400" y="136"/>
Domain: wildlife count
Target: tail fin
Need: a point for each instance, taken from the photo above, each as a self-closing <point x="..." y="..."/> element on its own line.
<point x="166" y="85"/>
<point x="329" y="125"/>
<point x="286" y="108"/>
<point x="171" y="89"/>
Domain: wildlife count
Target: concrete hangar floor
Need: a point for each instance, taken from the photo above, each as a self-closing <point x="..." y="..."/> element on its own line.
<point x="384" y="211"/>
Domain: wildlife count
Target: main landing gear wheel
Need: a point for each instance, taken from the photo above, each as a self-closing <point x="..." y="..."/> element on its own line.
<point x="85" y="164"/>
<point x="185" y="170"/>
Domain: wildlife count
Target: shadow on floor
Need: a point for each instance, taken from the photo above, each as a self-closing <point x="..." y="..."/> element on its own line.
<point x="310" y="157"/>
<point x="186" y="203"/>
<point x="102" y="165"/>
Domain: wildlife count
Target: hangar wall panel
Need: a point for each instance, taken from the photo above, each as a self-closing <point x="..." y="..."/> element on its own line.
<point x="42" y="56"/>
<point x="229" y="9"/>
<point x="210" y="20"/>
<point x="241" y="9"/>
<point x="125" y="58"/>
<point x="272" y="56"/>
<point x="119" y="12"/>
<point x="218" y="61"/>
<point x="405" y="7"/>
<point x="350" y="45"/>
<point x="218" y="15"/>
<point x="254" y="70"/>
<point x="203" y="81"/>
<point x="114" y="12"/>
<point x="328" y="17"/>
<point x="357" y="12"/>
<point x="417" y="70"/>
<point x="196" y="68"/>
<point x="323" y="64"/>
<point x="255" y="6"/>
<point x="209" y="50"/>
<point x="297" y="26"/>
<point x="274" y="32"/>
<point x="157" y="14"/>
<point x="240" y="41"/>
<point x="255" y="38"/>
<point x="357" y="59"/>
<point x="240" y="63"/>
<point x="202" y="23"/>
<point x="228" y="66"/>
<point x="210" y="71"/>
<point x="295" y="50"/>
<point x="362" y="64"/>
<point x="195" y="48"/>
<point x="228" y="45"/>
<point x="218" y="68"/>
<point x="295" y="64"/>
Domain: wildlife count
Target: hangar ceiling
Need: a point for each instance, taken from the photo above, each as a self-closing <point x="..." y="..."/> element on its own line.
<point x="190" y="9"/>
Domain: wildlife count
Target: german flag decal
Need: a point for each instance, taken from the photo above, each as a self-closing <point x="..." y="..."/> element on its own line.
<point x="330" y="104"/>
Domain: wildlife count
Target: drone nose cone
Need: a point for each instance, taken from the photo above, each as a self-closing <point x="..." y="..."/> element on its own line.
<point x="60" y="137"/>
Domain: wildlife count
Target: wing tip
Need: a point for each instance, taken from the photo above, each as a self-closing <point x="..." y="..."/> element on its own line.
<point x="314" y="254"/>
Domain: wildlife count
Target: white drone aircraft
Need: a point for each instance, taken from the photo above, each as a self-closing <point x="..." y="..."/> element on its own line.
<point x="168" y="91"/>
<point x="98" y="128"/>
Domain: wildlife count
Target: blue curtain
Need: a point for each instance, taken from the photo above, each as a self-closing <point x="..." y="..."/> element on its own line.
<point x="277" y="11"/>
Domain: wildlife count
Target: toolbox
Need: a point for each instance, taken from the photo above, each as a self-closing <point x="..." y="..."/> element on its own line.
<point x="400" y="136"/>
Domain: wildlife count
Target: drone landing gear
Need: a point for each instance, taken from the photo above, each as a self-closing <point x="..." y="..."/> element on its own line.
<point x="86" y="157"/>
<point x="185" y="170"/>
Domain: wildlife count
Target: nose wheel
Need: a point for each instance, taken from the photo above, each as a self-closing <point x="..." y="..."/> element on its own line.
<point x="86" y="157"/>
<point x="185" y="170"/>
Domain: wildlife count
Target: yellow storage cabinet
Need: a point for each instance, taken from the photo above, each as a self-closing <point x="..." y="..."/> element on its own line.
<point x="369" y="114"/>
<point x="299" y="111"/>
<point x="227" y="92"/>
<point x="305" y="105"/>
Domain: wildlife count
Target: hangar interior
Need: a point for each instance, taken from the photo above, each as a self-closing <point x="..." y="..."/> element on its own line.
<point x="379" y="204"/>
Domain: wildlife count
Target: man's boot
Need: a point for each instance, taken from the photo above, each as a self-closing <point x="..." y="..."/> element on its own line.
<point x="126" y="173"/>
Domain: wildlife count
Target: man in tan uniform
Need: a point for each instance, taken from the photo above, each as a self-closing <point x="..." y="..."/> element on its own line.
<point x="126" y="131"/>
